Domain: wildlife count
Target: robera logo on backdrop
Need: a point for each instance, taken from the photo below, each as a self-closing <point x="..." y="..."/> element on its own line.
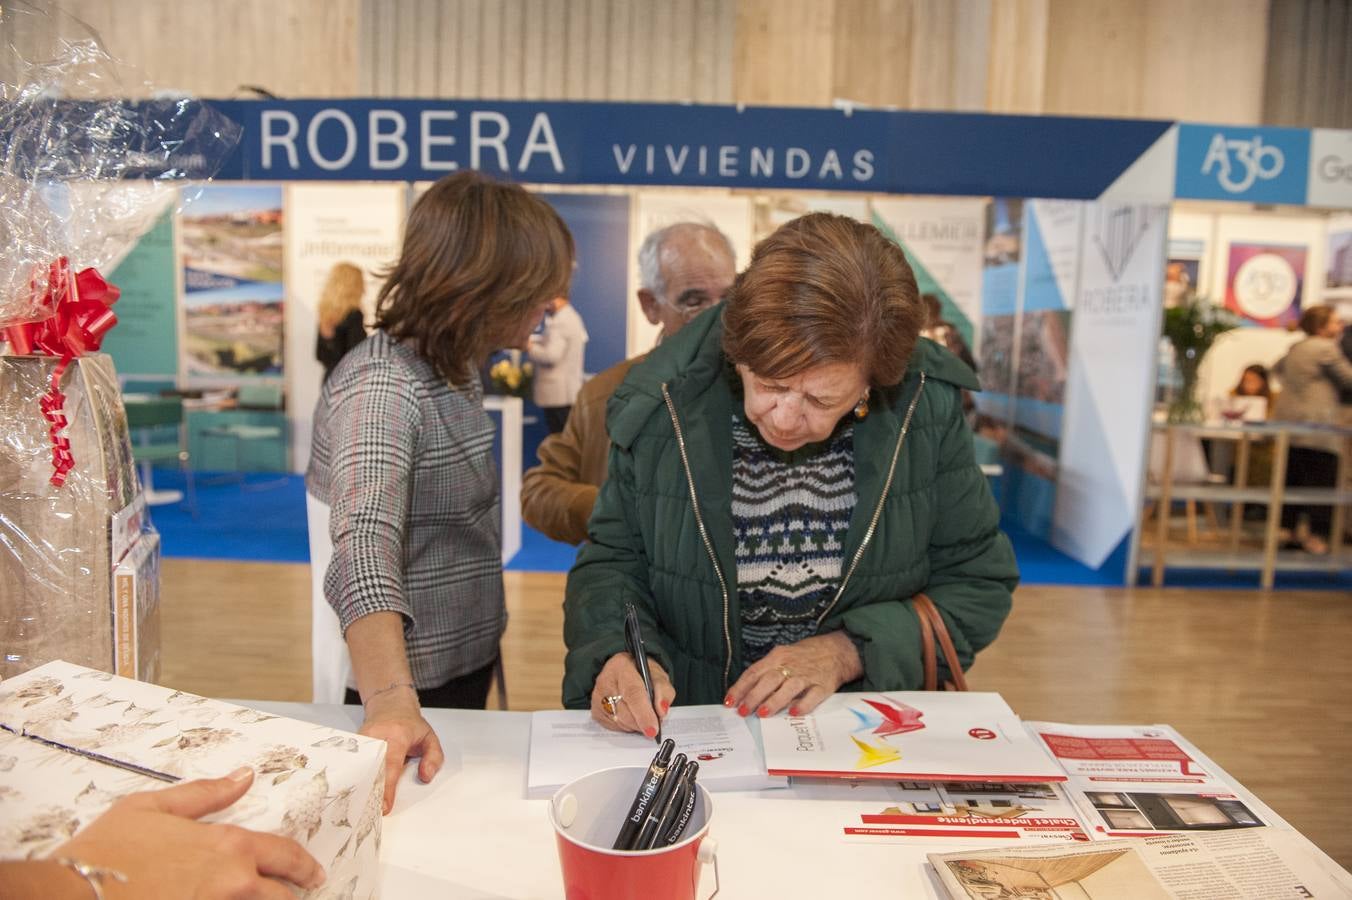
<point x="1262" y="165"/>
<point x="1238" y="163"/>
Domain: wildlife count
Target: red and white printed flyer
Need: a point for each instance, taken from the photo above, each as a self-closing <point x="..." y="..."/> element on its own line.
<point x="1136" y="780"/>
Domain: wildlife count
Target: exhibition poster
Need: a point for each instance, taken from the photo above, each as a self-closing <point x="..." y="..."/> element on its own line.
<point x="232" y="282"/>
<point x="1265" y="283"/>
<point x="942" y="238"/>
<point x="327" y="224"/>
<point x="145" y="341"/>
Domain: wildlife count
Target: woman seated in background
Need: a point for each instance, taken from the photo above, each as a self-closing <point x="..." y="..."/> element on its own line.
<point x="1253" y="383"/>
<point x="403" y="457"/>
<point x="785" y="474"/>
<point x="340" y="317"/>
<point x="1313" y="373"/>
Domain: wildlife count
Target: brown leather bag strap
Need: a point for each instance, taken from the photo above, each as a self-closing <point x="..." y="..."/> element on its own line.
<point x="933" y="629"/>
<point x="931" y="682"/>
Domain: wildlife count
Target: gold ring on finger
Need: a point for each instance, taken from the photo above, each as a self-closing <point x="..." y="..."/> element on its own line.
<point x="786" y="672"/>
<point x="608" y="704"/>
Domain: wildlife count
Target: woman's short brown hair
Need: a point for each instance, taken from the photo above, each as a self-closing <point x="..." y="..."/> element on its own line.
<point x="1315" y="318"/>
<point x="479" y="256"/>
<point x="824" y="289"/>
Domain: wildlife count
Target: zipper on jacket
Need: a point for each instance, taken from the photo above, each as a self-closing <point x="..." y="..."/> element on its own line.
<point x="878" y="511"/>
<point x="704" y="533"/>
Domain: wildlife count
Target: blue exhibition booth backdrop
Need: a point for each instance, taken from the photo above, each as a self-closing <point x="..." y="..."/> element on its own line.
<point x="1087" y="273"/>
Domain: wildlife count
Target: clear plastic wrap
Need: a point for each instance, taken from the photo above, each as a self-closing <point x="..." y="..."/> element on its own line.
<point x="84" y="172"/>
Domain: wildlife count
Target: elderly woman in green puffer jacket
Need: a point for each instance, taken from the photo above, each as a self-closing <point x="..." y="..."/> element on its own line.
<point x="785" y="474"/>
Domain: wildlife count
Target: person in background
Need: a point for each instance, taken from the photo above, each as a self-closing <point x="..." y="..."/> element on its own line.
<point x="341" y="326"/>
<point x="1313" y="373"/>
<point x="558" y="353"/>
<point x="403" y="457"/>
<point x="1253" y="382"/>
<point x="149" y="846"/>
<point x="683" y="270"/>
<point x="785" y="475"/>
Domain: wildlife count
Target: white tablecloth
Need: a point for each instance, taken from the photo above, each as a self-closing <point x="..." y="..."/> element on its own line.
<point x="470" y="833"/>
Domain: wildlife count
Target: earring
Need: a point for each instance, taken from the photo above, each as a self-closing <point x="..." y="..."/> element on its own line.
<point x="861" y="408"/>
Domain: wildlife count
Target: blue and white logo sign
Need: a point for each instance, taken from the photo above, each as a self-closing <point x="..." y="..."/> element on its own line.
<point x="1259" y="165"/>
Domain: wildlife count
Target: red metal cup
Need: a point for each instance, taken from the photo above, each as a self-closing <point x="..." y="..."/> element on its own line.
<point x="587" y="814"/>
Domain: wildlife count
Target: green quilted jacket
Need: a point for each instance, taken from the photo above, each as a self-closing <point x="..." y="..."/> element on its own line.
<point x="662" y="532"/>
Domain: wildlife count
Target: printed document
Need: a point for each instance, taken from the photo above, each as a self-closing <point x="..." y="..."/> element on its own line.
<point x="567" y="744"/>
<point x="1135" y="780"/>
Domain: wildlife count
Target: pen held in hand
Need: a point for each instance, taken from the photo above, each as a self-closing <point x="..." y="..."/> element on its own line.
<point x="633" y="638"/>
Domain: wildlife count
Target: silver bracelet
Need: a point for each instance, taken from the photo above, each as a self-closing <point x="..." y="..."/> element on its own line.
<point x="94" y="875"/>
<point x="389" y="687"/>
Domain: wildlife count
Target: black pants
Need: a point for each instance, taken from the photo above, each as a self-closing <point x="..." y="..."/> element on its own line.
<point x="466" y="692"/>
<point x="555" y="417"/>
<point x="1310" y="468"/>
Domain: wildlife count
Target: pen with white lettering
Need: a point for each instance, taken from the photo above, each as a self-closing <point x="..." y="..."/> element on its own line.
<point x="647" y="792"/>
<point x="672" y="830"/>
<point x="660" y="808"/>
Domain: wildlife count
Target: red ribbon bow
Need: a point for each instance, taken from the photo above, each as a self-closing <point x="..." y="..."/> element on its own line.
<point x="80" y="318"/>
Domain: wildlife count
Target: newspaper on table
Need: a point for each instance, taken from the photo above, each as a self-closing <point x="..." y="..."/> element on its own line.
<point x="1137" y="780"/>
<point x="1253" y="864"/>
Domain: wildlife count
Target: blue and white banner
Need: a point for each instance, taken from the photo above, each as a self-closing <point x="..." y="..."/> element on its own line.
<point x="1253" y="165"/>
<point x="686" y="145"/>
<point x="1110" y="391"/>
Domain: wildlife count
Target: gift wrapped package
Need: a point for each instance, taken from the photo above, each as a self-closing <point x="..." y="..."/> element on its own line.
<point x="59" y="544"/>
<point x="74" y="739"/>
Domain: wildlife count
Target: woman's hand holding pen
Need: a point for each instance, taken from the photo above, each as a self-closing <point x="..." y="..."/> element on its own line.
<point x="396" y="718"/>
<point x="798" y="676"/>
<point x="620" y="678"/>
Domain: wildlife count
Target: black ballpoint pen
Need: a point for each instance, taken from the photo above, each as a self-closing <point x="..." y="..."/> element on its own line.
<point x="633" y="637"/>
<point x="659" y="811"/>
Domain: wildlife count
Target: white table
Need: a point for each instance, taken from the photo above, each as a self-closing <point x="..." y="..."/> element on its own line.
<point x="470" y="833"/>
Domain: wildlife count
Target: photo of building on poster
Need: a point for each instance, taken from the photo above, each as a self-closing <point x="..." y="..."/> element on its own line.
<point x="1338" y="282"/>
<point x="232" y="281"/>
<point x="1265" y="283"/>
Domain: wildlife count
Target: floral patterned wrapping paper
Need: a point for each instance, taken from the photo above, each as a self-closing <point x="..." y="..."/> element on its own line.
<point x="318" y="785"/>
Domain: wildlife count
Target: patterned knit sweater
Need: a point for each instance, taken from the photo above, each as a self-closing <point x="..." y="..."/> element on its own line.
<point x="790" y="515"/>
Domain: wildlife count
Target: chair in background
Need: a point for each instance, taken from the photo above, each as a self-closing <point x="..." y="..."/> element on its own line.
<point x="263" y="397"/>
<point x="158" y="434"/>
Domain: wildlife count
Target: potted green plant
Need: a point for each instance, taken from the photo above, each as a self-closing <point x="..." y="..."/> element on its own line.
<point x="1191" y="328"/>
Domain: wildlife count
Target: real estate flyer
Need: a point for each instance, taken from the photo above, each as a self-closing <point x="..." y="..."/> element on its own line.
<point x="909" y="736"/>
<point x="1133" y="780"/>
<point x="1248" y="865"/>
<point x="877" y="811"/>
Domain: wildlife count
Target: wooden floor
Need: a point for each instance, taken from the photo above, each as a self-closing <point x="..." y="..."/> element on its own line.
<point x="1256" y="680"/>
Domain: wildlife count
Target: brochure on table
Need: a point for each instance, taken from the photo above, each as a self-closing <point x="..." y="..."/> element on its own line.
<point x="908" y="735"/>
<point x="567" y="744"/>
<point x="1257" y="864"/>
<point x="1134" y="780"/>
<point x="875" y="811"/>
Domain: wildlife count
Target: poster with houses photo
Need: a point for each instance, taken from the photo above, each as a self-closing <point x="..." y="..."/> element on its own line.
<point x="231" y="251"/>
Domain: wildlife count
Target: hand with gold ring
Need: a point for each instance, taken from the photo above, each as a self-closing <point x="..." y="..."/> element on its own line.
<point x="619" y="701"/>
<point x="796" y="676"/>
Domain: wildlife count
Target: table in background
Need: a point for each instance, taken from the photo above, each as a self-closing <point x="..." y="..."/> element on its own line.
<point x="470" y="833"/>
<point x="1275" y="495"/>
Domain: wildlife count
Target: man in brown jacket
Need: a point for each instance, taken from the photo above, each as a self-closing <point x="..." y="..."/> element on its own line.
<point x="683" y="269"/>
